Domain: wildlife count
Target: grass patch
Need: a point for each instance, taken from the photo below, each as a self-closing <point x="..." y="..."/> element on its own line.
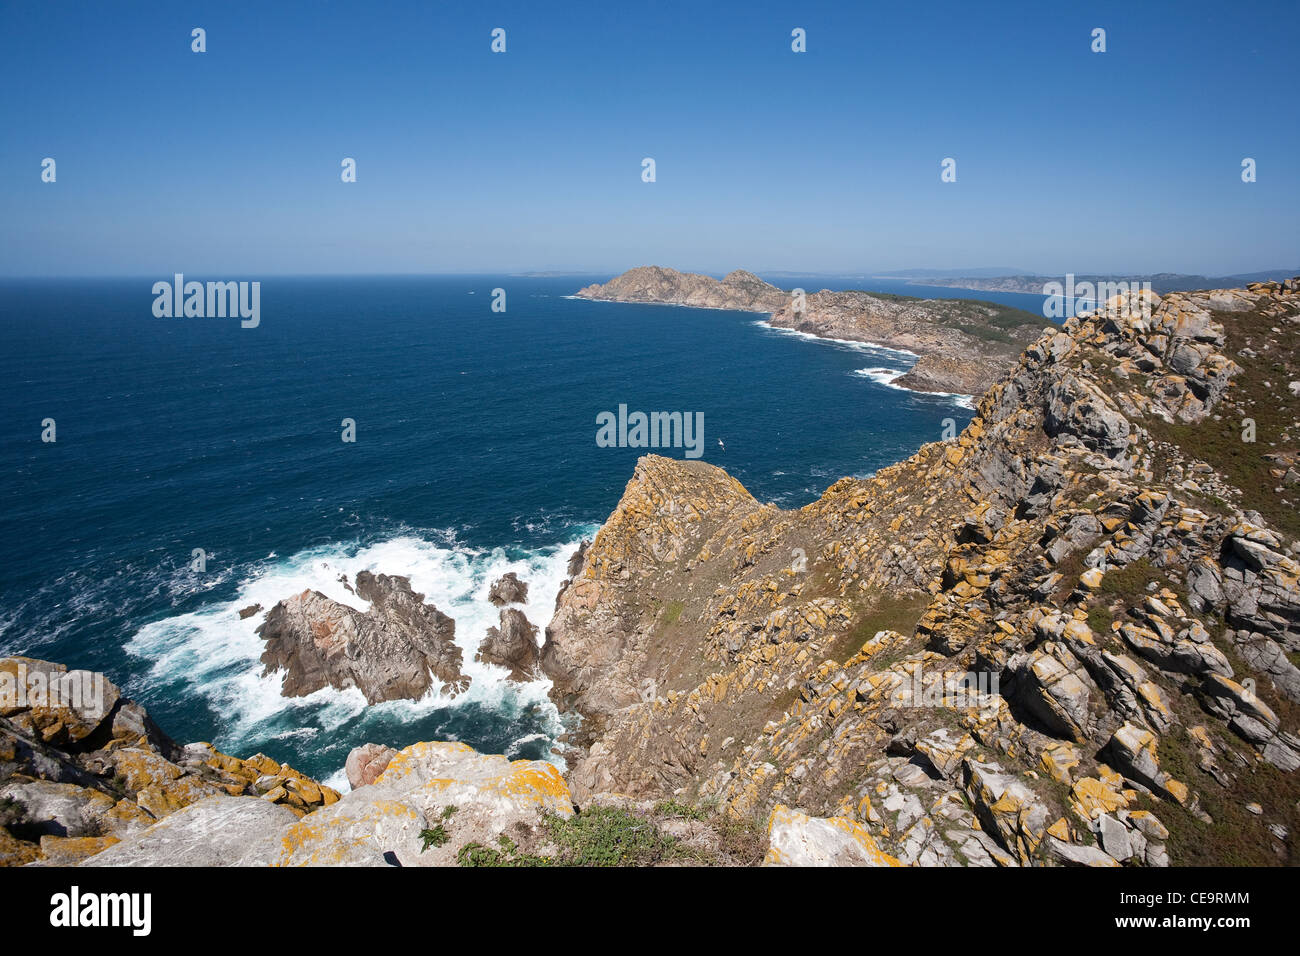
<point x="598" y="836"/>
<point x="680" y="811"/>
<point x="1236" y="837"/>
<point x="1272" y="407"/>
<point x="1131" y="582"/>
<point x="888" y="612"/>
<point x="1100" y="619"/>
<point x="673" y="611"/>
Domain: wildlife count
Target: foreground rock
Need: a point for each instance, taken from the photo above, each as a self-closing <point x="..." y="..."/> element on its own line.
<point x="430" y="800"/>
<point x="366" y="763"/>
<point x="797" y="839"/>
<point x="396" y="650"/>
<point x="83" y="768"/>
<point x="963" y="345"/>
<point x="215" y="831"/>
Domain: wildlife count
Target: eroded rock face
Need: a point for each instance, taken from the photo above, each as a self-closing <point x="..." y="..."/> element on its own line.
<point x="513" y="646"/>
<point x="598" y="649"/>
<point x="1041" y="599"/>
<point x="396" y="650"/>
<point x="83" y="768"/>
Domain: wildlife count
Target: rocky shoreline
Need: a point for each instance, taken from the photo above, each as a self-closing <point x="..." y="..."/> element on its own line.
<point x="963" y="346"/>
<point x="1066" y="637"/>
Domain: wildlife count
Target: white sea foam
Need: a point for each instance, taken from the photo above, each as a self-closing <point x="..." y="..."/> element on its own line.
<point x="846" y="343"/>
<point x="218" y="655"/>
<point x="882" y="376"/>
<point x="888" y="377"/>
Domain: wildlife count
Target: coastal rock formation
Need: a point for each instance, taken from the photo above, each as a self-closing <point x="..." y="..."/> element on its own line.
<point x="366" y="763"/>
<point x="963" y="345"/>
<point x="508" y="589"/>
<point x="603" y="645"/>
<point x="443" y="804"/>
<point x="82" y="768"/>
<point x="739" y="290"/>
<point x="397" y="649"/>
<point x="513" y="645"/>
<point x="215" y="831"/>
<point x="796" y="839"/>
<point x="471" y="797"/>
<point x="1066" y="636"/>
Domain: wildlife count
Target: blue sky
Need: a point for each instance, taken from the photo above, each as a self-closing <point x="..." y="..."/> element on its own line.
<point x="227" y="162"/>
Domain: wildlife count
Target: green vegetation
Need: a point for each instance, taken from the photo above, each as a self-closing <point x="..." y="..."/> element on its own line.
<point x="887" y="612"/>
<point x="1259" y="393"/>
<point x="506" y="854"/>
<point x="1100" y="619"/>
<point x="1132" y="582"/>
<point x="433" y="836"/>
<point x="599" y="836"/>
<point x="680" y="811"/>
<point x="673" y="611"/>
<point x="437" y="835"/>
<point x="1235" y="836"/>
<point x="991" y="322"/>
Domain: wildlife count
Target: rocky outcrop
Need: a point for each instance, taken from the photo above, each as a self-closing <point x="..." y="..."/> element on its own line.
<point x="398" y="649"/>
<point x="963" y="345"/>
<point x="1053" y="640"/>
<point x="508" y="589"/>
<point x="366" y="763"/>
<point x="796" y="839"/>
<point x="430" y="800"/>
<point x="214" y="831"/>
<point x="83" y="768"/>
<point x="739" y="290"/>
<point x="513" y="646"/>
<point x="601" y="648"/>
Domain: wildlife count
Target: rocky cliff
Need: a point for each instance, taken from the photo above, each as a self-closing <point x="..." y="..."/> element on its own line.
<point x="83" y="768"/>
<point x="1068" y="635"/>
<point x="963" y="345"/>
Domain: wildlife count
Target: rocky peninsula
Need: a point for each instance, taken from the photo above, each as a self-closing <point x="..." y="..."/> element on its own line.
<point x="962" y="345"/>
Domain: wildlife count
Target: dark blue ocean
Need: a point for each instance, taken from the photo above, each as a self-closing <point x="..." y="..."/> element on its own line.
<point x="475" y="453"/>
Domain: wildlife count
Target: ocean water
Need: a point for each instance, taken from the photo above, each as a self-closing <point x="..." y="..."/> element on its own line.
<point x="475" y="454"/>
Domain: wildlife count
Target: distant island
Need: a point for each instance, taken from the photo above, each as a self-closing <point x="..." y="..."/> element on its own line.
<point x="963" y="346"/>
<point x="1161" y="282"/>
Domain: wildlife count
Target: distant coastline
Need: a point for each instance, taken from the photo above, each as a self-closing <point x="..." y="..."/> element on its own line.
<point x="962" y="346"/>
